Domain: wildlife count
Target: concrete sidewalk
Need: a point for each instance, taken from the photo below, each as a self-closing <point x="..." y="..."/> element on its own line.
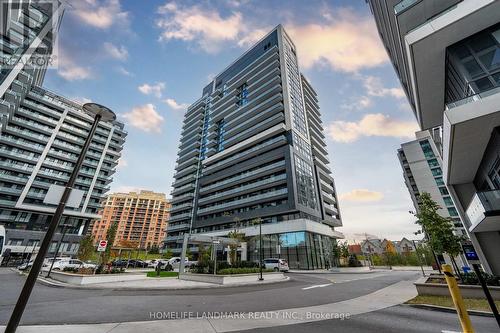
<point x="228" y="322"/>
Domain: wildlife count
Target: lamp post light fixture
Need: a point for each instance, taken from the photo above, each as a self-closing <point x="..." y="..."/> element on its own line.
<point x="64" y="229"/>
<point x="99" y="113"/>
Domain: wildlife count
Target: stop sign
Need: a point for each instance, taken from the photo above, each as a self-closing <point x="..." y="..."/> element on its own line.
<point x="102" y="245"/>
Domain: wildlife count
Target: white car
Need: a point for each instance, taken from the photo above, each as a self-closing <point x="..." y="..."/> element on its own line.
<point x="176" y="261"/>
<point x="61" y="264"/>
<point x="278" y="265"/>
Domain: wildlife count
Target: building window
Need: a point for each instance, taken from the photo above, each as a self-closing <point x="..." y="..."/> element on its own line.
<point x="242" y="97"/>
<point x="452" y="211"/>
<point x="306" y="191"/>
<point x="221" y="129"/>
<point x="448" y="201"/>
<point x="427" y="149"/>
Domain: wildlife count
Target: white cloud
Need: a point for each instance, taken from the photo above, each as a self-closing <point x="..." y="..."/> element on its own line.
<point x="70" y="71"/>
<point x="122" y="163"/>
<point x="145" y="118"/>
<point x="100" y="14"/>
<point x="116" y="52"/>
<point x="152" y="89"/>
<point x="123" y="71"/>
<point x="362" y="195"/>
<point x="358" y="103"/>
<point x="204" y="26"/>
<point x="374" y="87"/>
<point x="175" y="105"/>
<point x="81" y="100"/>
<point x="348" y="42"/>
<point x="375" y="124"/>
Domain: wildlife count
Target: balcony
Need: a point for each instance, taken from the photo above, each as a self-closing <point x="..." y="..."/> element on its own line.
<point x="484" y="211"/>
<point x="467" y="128"/>
<point x="177" y="227"/>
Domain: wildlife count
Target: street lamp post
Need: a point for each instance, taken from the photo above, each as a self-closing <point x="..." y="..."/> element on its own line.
<point x="64" y="229"/>
<point x="99" y="113"/>
<point x="261" y="254"/>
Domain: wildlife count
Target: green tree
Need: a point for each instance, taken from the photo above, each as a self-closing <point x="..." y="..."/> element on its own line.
<point x="168" y="254"/>
<point x="438" y="229"/>
<point x="154" y="249"/>
<point x="86" y="248"/>
<point x="110" y="237"/>
<point x="237" y="236"/>
<point x="344" y="250"/>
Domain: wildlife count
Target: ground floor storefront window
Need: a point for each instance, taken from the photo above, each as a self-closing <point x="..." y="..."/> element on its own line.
<point x="302" y="250"/>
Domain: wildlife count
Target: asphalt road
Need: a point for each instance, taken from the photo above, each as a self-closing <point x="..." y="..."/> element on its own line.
<point x="50" y="305"/>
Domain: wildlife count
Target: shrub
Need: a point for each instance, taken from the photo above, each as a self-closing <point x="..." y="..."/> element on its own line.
<point x="471" y="278"/>
<point x="69" y="269"/>
<point x="230" y="271"/>
<point x="86" y="271"/>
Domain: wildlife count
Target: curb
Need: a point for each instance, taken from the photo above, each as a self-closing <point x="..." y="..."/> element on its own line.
<point x="449" y="310"/>
<point x="68" y="286"/>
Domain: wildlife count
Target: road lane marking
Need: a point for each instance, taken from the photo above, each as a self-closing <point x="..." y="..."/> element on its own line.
<point x="317" y="286"/>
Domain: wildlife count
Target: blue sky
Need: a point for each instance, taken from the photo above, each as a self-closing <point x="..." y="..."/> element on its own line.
<point x="148" y="60"/>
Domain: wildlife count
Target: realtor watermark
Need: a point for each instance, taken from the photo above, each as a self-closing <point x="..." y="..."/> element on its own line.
<point x="28" y="33"/>
<point x="258" y="315"/>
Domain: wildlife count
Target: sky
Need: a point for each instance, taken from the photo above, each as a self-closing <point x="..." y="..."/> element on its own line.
<point x="148" y="60"/>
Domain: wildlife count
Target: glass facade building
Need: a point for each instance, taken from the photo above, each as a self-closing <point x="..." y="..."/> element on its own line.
<point x="42" y="133"/>
<point x="253" y="147"/>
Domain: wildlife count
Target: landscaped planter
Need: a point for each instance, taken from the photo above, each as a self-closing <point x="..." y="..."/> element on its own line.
<point x="231" y="279"/>
<point x="467" y="291"/>
<point x="80" y="279"/>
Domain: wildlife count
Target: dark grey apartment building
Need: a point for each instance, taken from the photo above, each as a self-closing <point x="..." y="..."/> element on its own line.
<point x="447" y="56"/>
<point x="253" y="147"/>
<point x="42" y="133"/>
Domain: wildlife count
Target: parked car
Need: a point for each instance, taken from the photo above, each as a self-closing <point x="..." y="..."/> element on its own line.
<point x="61" y="264"/>
<point x="119" y="263"/>
<point x="176" y="261"/>
<point x="25" y="266"/>
<point x="136" y="263"/>
<point x="278" y="265"/>
<point x="153" y="262"/>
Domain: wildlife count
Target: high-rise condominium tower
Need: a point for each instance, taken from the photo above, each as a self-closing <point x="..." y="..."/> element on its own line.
<point x="253" y="147"/>
<point x="422" y="172"/>
<point x="141" y="219"/>
<point x="447" y="56"/>
<point x="42" y="133"/>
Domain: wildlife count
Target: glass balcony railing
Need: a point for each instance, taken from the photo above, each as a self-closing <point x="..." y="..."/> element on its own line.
<point x="473" y="98"/>
<point x="243" y="176"/>
<point x="246" y="152"/>
<point x="243" y="201"/>
<point x="483" y="204"/>
<point x="404" y="5"/>
<point x="245" y="187"/>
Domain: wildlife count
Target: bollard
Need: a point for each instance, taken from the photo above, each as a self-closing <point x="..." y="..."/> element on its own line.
<point x="463" y="316"/>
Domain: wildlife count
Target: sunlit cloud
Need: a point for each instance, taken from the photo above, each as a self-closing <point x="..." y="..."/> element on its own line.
<point x="172" y="103"/>
<point x="152" y="89"/>
<point x="145" y="118"/>
<point x="71" y="71"/>
<point x="208" y="28"/>
<point x="115" y="52"/>
<point x="100" y="14"/>
<point x="362" y="195"/>
<point x="375" y="124"/>
<point x="348" y="42"/>
<point x="374" y="87"/>
<point x="357" y="103"/>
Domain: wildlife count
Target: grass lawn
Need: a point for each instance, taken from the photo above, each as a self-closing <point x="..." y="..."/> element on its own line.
<point x="163" y="274"/>
<point x="470" y="303"/>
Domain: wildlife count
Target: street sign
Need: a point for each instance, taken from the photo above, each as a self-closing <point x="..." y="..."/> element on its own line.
<point x="101" y="247"/>
<point x="470" y="253"/>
